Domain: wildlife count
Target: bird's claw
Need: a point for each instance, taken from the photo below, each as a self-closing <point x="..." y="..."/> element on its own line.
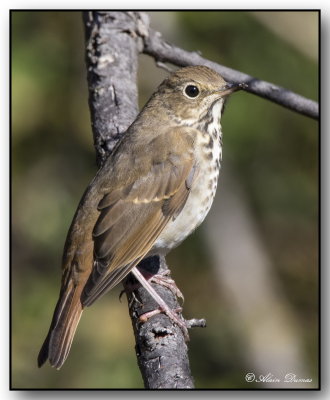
<point x="172" y="315"/>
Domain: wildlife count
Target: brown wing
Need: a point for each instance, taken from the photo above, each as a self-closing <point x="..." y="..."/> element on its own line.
<point x="131" y="219"/>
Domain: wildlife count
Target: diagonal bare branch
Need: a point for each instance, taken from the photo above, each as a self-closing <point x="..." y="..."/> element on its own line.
<point x="157" y="47"/>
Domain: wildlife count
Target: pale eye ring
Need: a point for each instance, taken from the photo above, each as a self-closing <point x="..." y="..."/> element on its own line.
<point x="191" y="91"/>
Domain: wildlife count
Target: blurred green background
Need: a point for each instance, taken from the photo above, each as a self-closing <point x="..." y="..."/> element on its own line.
<point x="270" y="153"/>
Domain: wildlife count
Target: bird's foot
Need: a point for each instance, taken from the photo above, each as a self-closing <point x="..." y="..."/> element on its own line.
<point x="145" y="316"/>
<point x="172" y="314"/>
<point x="162" y="279"/>
<point x="163" y="307"/>
<point x="165" y="280"/>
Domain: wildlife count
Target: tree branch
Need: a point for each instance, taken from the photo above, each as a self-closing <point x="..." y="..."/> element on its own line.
<point x="113" y="41"/>
<point x="160" y="346"/>
<point x="157" y="47"/>
<point x="112" y="49"/>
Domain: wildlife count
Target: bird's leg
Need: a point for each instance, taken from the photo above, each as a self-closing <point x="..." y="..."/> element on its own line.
<point x="163" y="307"/>
<point x="160" y="278"/>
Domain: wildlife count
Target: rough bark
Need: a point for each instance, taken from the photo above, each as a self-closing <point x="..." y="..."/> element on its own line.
<point x="160" y="346"/>
<point x="113" y="41"/>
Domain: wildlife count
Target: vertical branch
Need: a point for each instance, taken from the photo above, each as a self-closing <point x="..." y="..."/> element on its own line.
<point x="113" y="42"/>
<point x="112" y="48"/>
<point x="160" y="345"/>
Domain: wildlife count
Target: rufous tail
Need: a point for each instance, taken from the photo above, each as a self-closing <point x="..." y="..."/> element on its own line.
<point x="66" y="316"/>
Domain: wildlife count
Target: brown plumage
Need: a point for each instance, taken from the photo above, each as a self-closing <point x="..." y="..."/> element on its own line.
<point x="136" y="204"/>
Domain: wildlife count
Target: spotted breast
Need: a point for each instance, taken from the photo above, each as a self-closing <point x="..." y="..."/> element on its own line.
<point x="208" y="155"/>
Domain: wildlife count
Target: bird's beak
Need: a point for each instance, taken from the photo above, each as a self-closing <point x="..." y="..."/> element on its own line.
<point x="229" y="88"/>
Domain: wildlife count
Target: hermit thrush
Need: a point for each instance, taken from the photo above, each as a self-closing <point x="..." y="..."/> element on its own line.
<point x="154" y="189"/>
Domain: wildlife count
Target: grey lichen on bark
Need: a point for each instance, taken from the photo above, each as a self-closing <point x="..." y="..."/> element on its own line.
<point x="113" y="42"/>
<point x="160" y="345"/>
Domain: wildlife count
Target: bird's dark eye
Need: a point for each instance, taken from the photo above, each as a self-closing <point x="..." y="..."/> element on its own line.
<point x="191" y="91"/>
